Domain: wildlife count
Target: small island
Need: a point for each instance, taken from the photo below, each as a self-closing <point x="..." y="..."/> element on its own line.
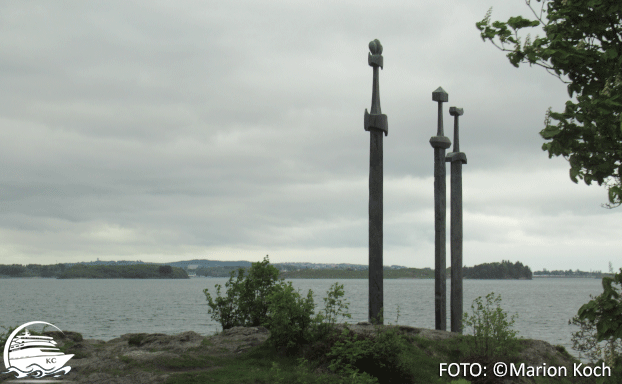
<point x="503" y="270"/>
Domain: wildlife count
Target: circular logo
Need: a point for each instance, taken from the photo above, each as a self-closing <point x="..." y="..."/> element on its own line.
<point x="33" y="355"/>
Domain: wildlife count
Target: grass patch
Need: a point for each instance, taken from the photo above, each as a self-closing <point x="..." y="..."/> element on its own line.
<point x="263" y="364"/>
<point x="250" y="367"/>
<point x="185" y="362"/>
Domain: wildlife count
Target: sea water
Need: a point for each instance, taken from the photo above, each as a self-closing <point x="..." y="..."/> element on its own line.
<point x="105" y="309"/>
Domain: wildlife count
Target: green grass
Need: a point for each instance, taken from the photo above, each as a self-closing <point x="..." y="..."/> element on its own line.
<point x="263" y="365"/>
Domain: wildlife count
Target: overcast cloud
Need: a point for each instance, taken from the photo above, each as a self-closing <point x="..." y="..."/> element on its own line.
<point x="228" y="130"/>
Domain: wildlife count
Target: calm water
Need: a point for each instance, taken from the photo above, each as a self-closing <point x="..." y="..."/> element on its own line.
<point x="105" y="309"/>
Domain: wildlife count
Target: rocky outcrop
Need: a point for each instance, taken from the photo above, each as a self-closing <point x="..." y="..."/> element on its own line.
<point x="138" y="358"/>
<point x="367" y="329"/>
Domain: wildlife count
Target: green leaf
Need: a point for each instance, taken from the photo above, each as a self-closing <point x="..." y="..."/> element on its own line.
<point x="550" y="131"/>
<point x="574" y="173"/>
<point x="519" y="22"/>
<point x="609" y="54"/>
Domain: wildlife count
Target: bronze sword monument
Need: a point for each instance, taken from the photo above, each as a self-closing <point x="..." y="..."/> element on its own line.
<point x="440" y="143"/>
<point x="376" y="123"/>
<point x="456" y="158"/>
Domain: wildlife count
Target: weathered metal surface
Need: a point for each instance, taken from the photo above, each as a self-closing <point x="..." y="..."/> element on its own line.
<point x="376" y="123"/>
<point x="456" y="158"/>
<point x="440" y="143"/>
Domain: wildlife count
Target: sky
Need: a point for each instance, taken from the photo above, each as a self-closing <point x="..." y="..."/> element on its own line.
<point x="229" y="130"/>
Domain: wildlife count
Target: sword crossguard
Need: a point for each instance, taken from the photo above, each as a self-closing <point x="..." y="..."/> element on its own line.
<point x="455" y="111"/>
<point x="456" y="156"/>
<point x="376" y="121"/>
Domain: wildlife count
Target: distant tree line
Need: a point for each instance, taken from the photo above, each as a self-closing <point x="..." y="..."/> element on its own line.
<point x="224" y="271"/>
<point x="136" y="271"/>
<point x="32" y="270"/>
<point x="569" y="273"/>
<point x="61" y="271"/>
<point x="331" y="273"/>
<point x="503" y="270"/>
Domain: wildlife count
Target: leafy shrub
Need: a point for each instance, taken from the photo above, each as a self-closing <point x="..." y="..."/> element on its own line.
<point x="334" y="304"/>
<point x="380" y="356"/>
<point x="492" y="329"/>
<point x="585" y="341"/>
<point x="605" y="311"/>
<point x="260" y="298"/>
<point x="334" y="307"/>
<point x="246" y="300"/>
<point x="290" y="317"/>
<point x="600" y="322"/>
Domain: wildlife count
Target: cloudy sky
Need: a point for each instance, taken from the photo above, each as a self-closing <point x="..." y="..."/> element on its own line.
<point x="170" y="130"/>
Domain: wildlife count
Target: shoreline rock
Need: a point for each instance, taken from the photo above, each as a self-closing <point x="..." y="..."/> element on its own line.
<point x="123" y="360"/>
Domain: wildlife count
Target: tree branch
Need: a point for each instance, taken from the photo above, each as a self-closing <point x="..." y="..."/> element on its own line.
<point x="539" y="18"/>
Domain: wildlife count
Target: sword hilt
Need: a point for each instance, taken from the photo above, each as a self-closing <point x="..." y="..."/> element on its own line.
<point x="375" y="119"/>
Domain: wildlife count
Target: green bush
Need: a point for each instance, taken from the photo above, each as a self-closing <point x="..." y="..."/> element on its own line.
<point x="605" y="311"/>
<point x="246" y="300"/>
<point x="600" y="322"/>
<point x="492" y="334"/>
<point x="380" y="356"/>
<point x="334" y="305"/>
<point x="260" y="298"/>
<point x="585" y="341"/>
<point x="290" y="317"/>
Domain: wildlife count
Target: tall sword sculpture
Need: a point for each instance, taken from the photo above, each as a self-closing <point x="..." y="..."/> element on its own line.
<point x="440" y="143"/>
<point x="456" y="158"/>
<point x="376" y="124"/>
